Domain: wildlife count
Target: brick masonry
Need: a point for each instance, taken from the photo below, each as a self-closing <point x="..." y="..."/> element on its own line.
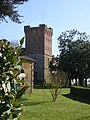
<point x="38" y="45"/>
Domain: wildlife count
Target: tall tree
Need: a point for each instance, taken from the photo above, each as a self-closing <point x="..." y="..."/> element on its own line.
<point x="8" y="9"/>
<point x="74" y="50"/>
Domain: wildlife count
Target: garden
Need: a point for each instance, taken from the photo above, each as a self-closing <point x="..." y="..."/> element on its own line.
<point x="54" y="102"/>
<point x="39" y="106"/>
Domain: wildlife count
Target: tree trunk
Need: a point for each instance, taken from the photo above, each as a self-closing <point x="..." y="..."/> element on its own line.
<point x="80" y="81"/>
<point x="69" y="83"/>
<point x="76" y="81"/>
<point x="85" y="82"/>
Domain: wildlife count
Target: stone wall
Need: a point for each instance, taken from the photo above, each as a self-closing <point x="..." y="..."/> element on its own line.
<point x="28" y="68"/>
<point x="39" y="66"/>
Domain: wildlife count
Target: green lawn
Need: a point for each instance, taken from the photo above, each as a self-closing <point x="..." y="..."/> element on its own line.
<point x="39" y="106"/>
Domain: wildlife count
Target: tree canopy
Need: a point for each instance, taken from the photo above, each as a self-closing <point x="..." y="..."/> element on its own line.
<point x="8" y="9"/>
<point x="74" y="57"/>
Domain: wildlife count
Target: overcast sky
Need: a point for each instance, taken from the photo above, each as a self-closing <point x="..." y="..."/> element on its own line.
<point x="61" y="15"/>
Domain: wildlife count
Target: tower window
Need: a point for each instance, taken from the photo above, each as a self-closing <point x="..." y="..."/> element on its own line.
<point x="35" y="60"/>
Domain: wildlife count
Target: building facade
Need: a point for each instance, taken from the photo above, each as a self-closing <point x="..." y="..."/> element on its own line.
<point x="38" y="45"/>
<point x="28" y="69"/>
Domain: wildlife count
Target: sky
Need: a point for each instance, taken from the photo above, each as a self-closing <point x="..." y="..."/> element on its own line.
<point x="61" y="15"/>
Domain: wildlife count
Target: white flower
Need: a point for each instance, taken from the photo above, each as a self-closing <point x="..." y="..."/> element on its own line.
<point x="7" y="78"/>
<point x="4" y="58"/>
<point x="11" y="72"/>
<point x="15" y="53"/>
<point x="4" y="87"/>
<point x="18" y="67"/>
<point x="21" y="75"/>
<point x="0" y="54"/>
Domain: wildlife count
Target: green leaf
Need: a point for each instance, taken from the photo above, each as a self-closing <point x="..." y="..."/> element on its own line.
<point x="21" y="41"/>
<point x="19" y="81"/>
<point x="8" y="97"/>
<point x="3" y="108"/>
<point x="14" y="60"/>
<point x="16" y="104"/>
<point x="21" y="92"/>
<point x="16" y="72"/>
<point x="16" y="113"/>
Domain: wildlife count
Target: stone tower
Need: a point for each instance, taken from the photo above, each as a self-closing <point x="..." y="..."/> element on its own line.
<point x="38" y="45"/>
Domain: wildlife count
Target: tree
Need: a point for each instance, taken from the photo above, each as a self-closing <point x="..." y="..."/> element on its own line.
<point x="10" y="68"/>
<point x="53" y="65"/>
<point x="74" y="58"/>
<point x="8" y="9"/>
<point x="57" y="79"/>
<point x="55" y="84"/>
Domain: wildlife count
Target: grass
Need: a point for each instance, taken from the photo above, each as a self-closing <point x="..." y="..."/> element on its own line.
<point x="39" y="106"/>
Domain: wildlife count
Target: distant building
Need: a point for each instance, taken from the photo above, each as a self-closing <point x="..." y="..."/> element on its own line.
<point x="38" y="45"/>
<point x="28" y="70"/>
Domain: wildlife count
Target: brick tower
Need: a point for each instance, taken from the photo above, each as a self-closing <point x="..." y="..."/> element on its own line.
<point x="38" y="45"/>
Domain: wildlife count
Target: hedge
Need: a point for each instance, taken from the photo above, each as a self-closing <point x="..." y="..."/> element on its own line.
<point x="80" y="92"/>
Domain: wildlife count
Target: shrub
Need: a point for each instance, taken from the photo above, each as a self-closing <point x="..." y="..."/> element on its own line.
<point x="55" y="84"/>
<point x="10" y="65"/>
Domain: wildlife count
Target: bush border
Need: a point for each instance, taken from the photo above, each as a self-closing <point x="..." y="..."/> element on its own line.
<point x="81" y="92"/>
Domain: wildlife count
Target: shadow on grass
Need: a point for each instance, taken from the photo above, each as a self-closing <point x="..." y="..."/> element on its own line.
<point x="23" y="100"/>
<point x="40" y="87"/>
<point x="34" y="103"/>
<point x="73" y="97"/>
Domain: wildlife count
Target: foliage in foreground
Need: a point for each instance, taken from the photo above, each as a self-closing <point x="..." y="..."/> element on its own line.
<point x="10" y="68"/>
<point x="8" y="9"/>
